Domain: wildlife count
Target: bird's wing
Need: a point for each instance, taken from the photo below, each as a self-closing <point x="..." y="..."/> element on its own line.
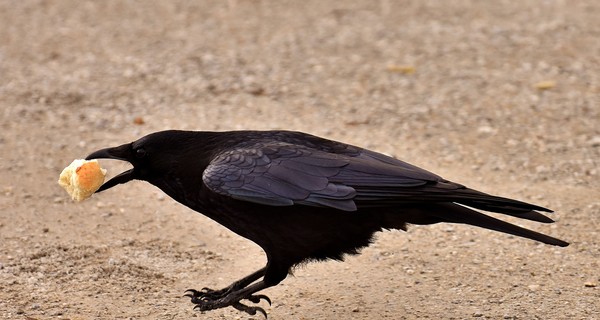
<point x="375" y="178"/>
<point x="281" y="174"/>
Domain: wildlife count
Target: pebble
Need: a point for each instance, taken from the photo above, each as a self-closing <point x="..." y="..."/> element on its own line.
<point x="595" y="141"/>
<point x="139" y="121"/>
<point x="533" y="287"/>
<point x="486" y="130"/>
<point x="57" y="313"/>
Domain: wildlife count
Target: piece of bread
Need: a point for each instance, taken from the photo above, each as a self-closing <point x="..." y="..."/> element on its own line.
<point x="82" y="178"/>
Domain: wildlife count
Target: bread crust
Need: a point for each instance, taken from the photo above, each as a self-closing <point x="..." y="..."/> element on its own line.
<point x="82" y="178"/>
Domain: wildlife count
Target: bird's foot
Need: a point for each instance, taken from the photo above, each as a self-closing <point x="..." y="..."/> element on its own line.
<point x="209" y="299"/>
<point x="208" y="293"/>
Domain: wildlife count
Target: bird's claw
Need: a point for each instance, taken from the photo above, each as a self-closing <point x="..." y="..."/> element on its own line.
<point x="190" y="293"/>
<point x="208" y="299"/>
<point x="250" y="310"/>
<point x="258" y="297"/>
<point x="205" y="293"/>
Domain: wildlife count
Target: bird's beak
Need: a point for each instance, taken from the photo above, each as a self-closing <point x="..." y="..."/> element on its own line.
<point x="123" y="153"/>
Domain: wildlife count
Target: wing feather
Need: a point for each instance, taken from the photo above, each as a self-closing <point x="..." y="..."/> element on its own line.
<point x="278" y="173"/>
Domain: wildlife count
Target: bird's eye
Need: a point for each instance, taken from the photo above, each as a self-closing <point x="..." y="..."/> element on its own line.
<point x="140" y="153"/>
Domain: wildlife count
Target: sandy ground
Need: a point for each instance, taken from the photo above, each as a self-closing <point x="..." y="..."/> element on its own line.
<point x="503" y="96"/>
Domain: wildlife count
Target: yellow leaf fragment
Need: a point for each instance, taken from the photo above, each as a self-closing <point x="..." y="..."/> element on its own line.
<point x="545" y="85"/>
<point x="403" y="69"/>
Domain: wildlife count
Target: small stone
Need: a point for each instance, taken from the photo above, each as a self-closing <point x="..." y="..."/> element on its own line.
<point x="590" y="284"/>
<point x="595" y="141"/>
<point x="139" y="121"/>
<point x="477" y="314"/>
<point x="485" y="130"/>
<point x="255" y="89"/>
<point x="533" y="287"/>
<point x="8" y="190"/>
<point x="57" y="313"/>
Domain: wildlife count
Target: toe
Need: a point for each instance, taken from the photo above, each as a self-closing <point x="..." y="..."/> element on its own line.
<point x="191" y="293"/>
<point x="249" y="310"/>
<point x="258" y="297"/>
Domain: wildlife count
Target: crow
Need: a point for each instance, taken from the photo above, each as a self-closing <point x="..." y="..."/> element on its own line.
<point x="301" y="198"/>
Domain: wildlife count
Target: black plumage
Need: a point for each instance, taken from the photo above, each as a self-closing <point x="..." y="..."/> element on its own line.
<point x="301" y="197"/>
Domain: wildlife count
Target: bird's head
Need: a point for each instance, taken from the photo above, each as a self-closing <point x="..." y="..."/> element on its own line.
<point x="153" y="157"/>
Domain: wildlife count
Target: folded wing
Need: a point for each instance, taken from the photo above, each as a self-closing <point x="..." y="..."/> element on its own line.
<point x="283" y="174"/>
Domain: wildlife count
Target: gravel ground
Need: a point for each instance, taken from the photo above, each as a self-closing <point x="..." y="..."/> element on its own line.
<point x="502" y="96"/>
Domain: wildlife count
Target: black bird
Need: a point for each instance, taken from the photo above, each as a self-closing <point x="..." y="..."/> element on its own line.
<point x="301" y="198"/>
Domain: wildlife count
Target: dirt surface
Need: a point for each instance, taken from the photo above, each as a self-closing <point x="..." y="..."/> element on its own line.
<point x="502" y="96"/>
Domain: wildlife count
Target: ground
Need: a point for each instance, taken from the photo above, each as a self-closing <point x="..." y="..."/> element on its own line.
<point x="502" y="96"/>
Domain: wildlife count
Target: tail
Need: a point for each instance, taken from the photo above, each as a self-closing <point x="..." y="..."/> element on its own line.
<point x="456" y="213"/>
<point x="446" y="201"/>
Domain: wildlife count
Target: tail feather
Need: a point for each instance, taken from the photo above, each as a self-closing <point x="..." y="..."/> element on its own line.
<point x="448" y="192"/>
<point x="524" y="211"/>
<point x="450" y="212"/>
<point x="483" y="201"/>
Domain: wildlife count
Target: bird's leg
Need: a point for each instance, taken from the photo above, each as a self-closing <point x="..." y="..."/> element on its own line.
<point x="244" y="289"/>
<point x="232" y="298"/>
<point x="207" y="293"/>
<point x="209" y="299"/>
